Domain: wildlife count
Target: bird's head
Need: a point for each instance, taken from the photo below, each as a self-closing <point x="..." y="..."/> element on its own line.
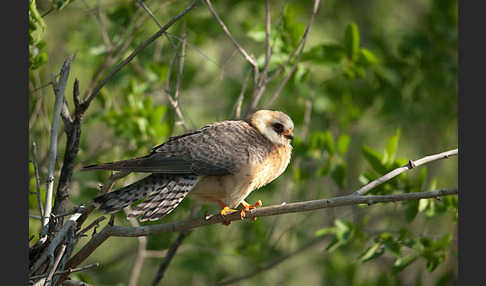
<point x="276" y="126"/>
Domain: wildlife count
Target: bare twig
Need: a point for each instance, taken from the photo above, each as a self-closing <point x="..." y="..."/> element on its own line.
<point x="173" y="249"/>
<point x="174" y="100"/>
<point x="48" y="280"/>
<point x="273" y="263"/>
<point x="70" y="242"/>
<point x="239" y="101"/>
<point x="141" y="3"/>
<point x="72" y="127"/>
<point x="258" y="90"/>
<point x="245" y="54"/>
<point x="94" y="224"/>
<point x="181" y="63"/>
<point x="168" y="257"/>
<point x="49" y="251"/>
<point x="142" y="247"/>
<point x="411" y="164"/>
<point x="87" y="249"/>
<point x="300" y="49"/>
<point x="59" y="88"/>
<point x="41" y="87"/>
<point x="67" y="271"/>
<point x="104" y="32"/>
<point x="37" y="179"/>
<point x="307" y="117"/>
<point x="35" y="216"/>
<point x="268" y="48"/>
<point x="138" y="50"/>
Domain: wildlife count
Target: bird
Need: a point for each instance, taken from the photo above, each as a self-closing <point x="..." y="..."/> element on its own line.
<point x="222" y="162"/>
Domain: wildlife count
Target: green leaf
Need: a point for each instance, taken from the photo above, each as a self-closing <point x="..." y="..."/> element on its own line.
<point x="375" y="159"/>
<point x="351" y="41"/>
<point x="411" y="210"/>
<point x="329" y="143"/>
<point x="366" y="58"/>
<point x="391" y="148"/>
<point x="329" y="54"/>
<point x="322" y="140"/>
<point x="338" y="174"/>
<point x="325" y="231"/>
<point x="343" y="143"/>
<point x="372" y="252"/>
<point x="292" y="30"/>
<point x="403" y="262"/>
<point x="423" y="204"/>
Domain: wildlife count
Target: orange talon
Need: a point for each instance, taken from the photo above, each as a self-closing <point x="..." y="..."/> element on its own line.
<point x="247" y="207"/>
<point x="225" y="211"/>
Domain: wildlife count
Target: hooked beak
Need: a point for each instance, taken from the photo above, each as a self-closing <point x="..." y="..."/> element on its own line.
<point x="288" y="134"/>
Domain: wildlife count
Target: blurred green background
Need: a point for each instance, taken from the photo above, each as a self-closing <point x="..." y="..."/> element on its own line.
<point x="378" y="79"/>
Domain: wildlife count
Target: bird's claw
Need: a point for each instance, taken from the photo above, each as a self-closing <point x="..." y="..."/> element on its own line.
<point x="247" y="207"/>
<point x="226" y="211"/>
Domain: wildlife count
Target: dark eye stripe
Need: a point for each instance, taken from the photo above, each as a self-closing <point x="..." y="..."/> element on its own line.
<point x="278" y="128"/>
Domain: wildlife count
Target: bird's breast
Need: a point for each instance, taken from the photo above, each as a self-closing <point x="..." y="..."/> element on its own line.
<point x="256" y="173"/>
<point x="272" y="166"/>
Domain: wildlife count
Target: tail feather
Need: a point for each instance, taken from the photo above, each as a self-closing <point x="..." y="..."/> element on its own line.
<point x="162" y="193"/>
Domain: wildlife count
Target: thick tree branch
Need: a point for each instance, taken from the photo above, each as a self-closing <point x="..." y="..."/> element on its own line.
<point x="73" y="134"/>
<point x="284" y="208"/>
<point x="123" y="231"/>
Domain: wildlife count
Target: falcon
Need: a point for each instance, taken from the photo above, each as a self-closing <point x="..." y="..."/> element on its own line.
<point x="222" y="162"/>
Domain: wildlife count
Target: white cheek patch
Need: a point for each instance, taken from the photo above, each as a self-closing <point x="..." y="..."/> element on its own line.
<point x="271" y="135"/>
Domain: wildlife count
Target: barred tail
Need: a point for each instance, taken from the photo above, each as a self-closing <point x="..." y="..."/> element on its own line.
<point x="162" y="194"/>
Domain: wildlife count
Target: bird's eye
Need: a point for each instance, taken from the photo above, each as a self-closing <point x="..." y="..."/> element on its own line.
<point x="278" y="128"/>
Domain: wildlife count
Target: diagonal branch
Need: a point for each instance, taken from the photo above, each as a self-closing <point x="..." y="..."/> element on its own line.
<point x="174" y="100"/>
<point x="37" y="179"/>
<point x="300" y="49"/>
<point x="59" y="88"/>
<point x="273" y="263"/>
<point x="140" y="48"/>
<point x="173" y="249"/>
<point x="411" y="164"/>
<point x="245" y="54"/>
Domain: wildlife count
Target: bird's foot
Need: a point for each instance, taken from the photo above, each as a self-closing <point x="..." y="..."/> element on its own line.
<point x="226" y="211"/>
<point x="247" y="207"/>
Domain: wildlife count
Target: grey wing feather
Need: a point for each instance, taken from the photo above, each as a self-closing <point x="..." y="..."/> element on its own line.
<point x="160" y="194"/>
<point x="216" y="149"/>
